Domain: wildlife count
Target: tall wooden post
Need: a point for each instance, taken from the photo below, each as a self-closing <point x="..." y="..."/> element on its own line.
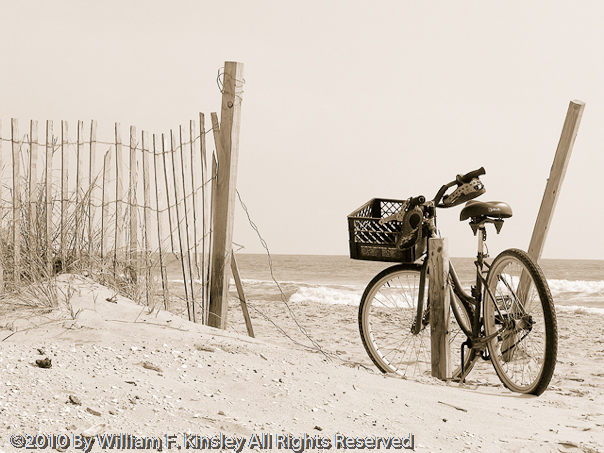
<point x="224" y="211"/>
<point x="438" y="263"/>
<point x="556" y="176"/>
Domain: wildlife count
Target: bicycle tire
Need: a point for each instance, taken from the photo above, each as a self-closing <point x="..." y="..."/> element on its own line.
<point x="387" y="314"/>
<point x="524" y="352"/>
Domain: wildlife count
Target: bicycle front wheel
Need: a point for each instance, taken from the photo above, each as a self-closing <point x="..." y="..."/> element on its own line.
<point x="523" y="319"/>
<point x="387" y="320"/>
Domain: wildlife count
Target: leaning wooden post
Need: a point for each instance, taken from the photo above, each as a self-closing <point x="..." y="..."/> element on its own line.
<point x="242" y="300"/>
<point x="225" y="203"/>
<point x="556" y="177"/>
<point x="438" y="263"/>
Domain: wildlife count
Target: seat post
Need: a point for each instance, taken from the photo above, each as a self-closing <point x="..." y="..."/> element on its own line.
<point x="481" y="237"/>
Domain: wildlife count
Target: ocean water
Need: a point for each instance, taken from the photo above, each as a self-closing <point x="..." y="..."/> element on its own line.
<point x="577" y="286"/>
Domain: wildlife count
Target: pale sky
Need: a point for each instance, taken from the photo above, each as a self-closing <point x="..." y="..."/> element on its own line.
<point x="343" y="101"/>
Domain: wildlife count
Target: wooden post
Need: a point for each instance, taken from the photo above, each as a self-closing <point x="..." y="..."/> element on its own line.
<point x="64" y="192"/>
<point x="225" y="204"/>
<point x="214" y="261"/>
<point x="33" y="183"/>
<point x="16" y="200"/>
<point x="79" y="208"/>
<point x="438" y="263"/>
<point x="48" y="196"/>
<point x="169" y="209"/>
<point x="187" y="212"/>
<point x="92" y="190"/>
<point x="132" y="203"/>
<point x="211" y="233"/>
<point x="239" y="285"/>
<point x="194" y="205"/>
<point x="206" y="203"/>
<point x="556" y="177"/>
<point x="179" y="227"/>
<point x="119" y="197"/>
<point x="146" y="213"/>
<point x="160" y="237"/>
<point x="105" y="209"/>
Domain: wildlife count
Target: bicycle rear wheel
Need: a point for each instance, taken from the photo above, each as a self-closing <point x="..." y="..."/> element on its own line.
<point x="525" y="348"/>
<point x="387" y="315"/>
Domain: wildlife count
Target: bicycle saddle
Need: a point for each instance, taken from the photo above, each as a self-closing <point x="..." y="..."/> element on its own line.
<point x="491" y="209"/>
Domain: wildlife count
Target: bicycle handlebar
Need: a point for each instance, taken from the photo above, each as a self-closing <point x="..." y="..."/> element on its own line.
<point x="459" y="180"/>
<point x="469" y="176"/>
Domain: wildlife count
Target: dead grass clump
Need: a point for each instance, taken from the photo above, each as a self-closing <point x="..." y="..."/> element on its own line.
<point x="28" y="270"/>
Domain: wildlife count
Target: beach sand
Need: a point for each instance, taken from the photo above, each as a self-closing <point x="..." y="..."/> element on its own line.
<point x="116" y="368"/>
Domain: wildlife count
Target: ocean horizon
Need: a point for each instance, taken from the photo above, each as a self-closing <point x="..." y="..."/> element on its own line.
<point x="577" y="286"/>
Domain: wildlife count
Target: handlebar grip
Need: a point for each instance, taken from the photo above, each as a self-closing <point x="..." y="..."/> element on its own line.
<point x="415" y="201"/>
<point x="469" y="176"/>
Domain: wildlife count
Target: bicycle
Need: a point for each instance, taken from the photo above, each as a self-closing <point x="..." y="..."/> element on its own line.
<point x="508" y="317"/>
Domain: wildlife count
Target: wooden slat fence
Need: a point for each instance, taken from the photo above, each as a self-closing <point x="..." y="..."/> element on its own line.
<point x="131" y="218"/>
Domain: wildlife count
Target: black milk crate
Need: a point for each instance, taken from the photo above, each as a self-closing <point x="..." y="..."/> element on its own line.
<point x="369" y="240"/>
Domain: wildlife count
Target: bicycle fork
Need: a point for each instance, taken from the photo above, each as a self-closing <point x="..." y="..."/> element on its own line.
<point x="418" y="325"/>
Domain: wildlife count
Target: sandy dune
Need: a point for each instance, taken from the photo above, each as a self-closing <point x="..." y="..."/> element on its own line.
<point x="118" y="369"/>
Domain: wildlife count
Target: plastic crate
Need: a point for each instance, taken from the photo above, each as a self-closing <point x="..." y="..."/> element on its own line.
<point x="371" y="241"/>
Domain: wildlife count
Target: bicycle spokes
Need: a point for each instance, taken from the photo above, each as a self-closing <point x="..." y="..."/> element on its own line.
<point x="518" y="309"/>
